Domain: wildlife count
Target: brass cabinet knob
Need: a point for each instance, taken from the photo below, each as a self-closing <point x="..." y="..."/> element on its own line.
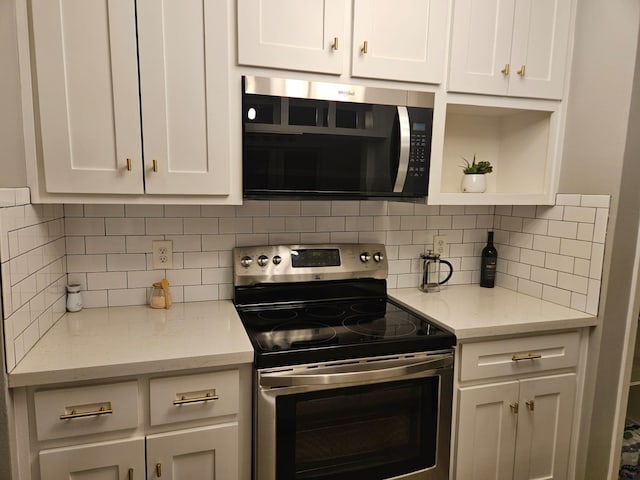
<point x="129" y="165"/>
<point x="365" y="48"/>
<point x="521" y="72"/>
<point x="334" y="45"/>
<point x="505" y="70"/>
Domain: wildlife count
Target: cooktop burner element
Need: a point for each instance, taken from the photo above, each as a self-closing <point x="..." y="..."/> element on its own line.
<point x="374" y="326"/>
<point x="306" y="304"/>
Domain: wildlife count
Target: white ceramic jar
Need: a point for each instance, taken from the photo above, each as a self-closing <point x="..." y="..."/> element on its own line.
<point x="74" y="298"/>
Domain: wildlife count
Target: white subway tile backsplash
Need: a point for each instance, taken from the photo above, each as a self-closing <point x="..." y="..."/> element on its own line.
<point x="315" y="209"/>
<point x="524" y="211"/>
<point x="556" y="295"/>
<point x="144" y="211"/>
<point x="546" y="244"/>
<point x="108" y="244"/>
<point x="182" y="211"/>
<point x="562" y="263"/>
<point x="562" y="229"/>
<point x="579" y="214"/>
<point x="120" y="262"/>
<point x="568" y="199"/>
<point x="572" y="282"/>
<point x="125" y="226"/>
<point x="439" y="222"/>
<point x="103" y="210"/>
<point x="106" y="280"/>
<point x="575" y="248"/>
<point x="548" y="252"/>
<point x="413" y="222"/>
<point x="300" y="224"/>
<point x="601" y="201"/>
<point x="164" y="226"/>
<point x="284" y="208"/>
<point x="585" y="231"/>
<point x="544" y="275"/>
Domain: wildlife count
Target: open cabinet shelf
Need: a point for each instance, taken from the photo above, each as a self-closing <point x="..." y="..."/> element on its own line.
<point x="520" y="143"/>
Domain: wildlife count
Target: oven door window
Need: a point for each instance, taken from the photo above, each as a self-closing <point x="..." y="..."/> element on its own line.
<point x="373" y="431"/>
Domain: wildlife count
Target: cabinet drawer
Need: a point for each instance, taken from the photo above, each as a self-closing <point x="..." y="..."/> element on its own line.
<point x="516" y="356"/>
<point x="75" y="411"/>
<point x="191" y="397"/>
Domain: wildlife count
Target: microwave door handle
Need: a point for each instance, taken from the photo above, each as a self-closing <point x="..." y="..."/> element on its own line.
<point x="290" y="380"/>
<point x="405" y="140"/>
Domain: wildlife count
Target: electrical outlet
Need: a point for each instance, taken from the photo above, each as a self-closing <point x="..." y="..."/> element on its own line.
<point x="162" y="254"/>
<point x="440" y="244"/>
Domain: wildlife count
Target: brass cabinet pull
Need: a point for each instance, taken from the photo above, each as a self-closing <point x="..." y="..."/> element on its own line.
<point x="155" y="165"/>
<point x="526" y="356"/>
<point x="206" y="398"/>
<point x="530" y="405"/>
<point x="129" y="165"/>
<point x="505" y="70"/>
<point x="334" y="45"/>
<point x="131" y="474"/>
<point x="74" y="414"/>
<point x="158" y="470"/>
<point x="514" y="407"/>
<point x="521" y="72"/>
<point x="365" y="47"/>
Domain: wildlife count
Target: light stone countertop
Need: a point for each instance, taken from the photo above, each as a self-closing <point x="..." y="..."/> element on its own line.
<point x="470" y="311"/>
<point x="100" y="343"/>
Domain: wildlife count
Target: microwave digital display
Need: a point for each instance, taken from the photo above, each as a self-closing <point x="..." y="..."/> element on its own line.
<point x="419" y="127"/>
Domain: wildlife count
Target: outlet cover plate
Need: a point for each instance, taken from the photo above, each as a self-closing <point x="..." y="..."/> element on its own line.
<point x="440" y="244"/>
<point x="162" y="254"/>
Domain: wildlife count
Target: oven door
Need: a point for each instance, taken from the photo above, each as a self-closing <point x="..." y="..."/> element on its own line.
<point x="375" y="418"/>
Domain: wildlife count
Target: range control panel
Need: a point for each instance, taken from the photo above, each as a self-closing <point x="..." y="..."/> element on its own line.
<point x="304" y="263"/>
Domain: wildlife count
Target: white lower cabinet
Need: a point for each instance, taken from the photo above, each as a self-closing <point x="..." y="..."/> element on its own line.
<point x="516" y="430"/>
<point x="517" y="425"/>
<point x="118" y="460"/>
<point x="208" y="452"/>
<point x="181" y="427"/>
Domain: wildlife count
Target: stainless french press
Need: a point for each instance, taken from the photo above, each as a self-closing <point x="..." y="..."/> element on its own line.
<point x="430" y="271"/>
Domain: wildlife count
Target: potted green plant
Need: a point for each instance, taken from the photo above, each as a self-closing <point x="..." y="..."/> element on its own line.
<point x="473" y="180"/>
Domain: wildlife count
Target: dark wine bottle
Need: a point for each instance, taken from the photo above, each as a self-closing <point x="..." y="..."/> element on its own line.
<point x="488" y="264"/>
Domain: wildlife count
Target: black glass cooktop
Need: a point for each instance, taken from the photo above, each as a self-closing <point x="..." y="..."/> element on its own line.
<point x="297" y="333"/>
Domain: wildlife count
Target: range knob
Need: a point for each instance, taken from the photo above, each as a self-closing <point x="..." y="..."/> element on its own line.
<point x="365" y="257"/>
<point x="378" y="257"/>
<point x="263" y="260"/>
<point x="246" y="261"/>
<point x="276" y="260"/>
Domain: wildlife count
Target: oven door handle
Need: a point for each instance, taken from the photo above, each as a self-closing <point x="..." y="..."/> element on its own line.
<point x="331" y="377"/>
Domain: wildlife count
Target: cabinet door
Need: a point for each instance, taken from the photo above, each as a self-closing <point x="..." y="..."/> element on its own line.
<point x="208" y="452"/>
<point x="539" y="48"/>
<point x="119" y="460"/>
<point x="486" y="432"/>
<point x="544" y="427"/>
<point x="184" y="87"/>
<point x="405" y="39"/>
<point x="291" y="34"/>
<point x="87" y="86"/>
<point x="481" y="46"/>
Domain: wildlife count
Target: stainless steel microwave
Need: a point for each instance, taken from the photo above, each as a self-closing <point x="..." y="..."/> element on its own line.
<point x="306" y="139"/>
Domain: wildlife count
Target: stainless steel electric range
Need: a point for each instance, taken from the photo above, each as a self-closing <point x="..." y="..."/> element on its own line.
<point x="348" y="384"/>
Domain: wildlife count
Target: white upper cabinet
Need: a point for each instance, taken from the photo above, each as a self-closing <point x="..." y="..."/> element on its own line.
<point x="183" y="87"/>
<point x="510" y="47"/>
<point x="95" y="108"/>
<point x="87" y="88"/>
<point x="402" y="40"/>
<point x="291" y="34"/>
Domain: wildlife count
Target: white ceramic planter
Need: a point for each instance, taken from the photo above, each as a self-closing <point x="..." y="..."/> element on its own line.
<point x="473" y="183"/>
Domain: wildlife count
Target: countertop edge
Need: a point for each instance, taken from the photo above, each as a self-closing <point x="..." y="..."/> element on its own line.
<point x="483" y="331"/>
<point x="105" y="372"/>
